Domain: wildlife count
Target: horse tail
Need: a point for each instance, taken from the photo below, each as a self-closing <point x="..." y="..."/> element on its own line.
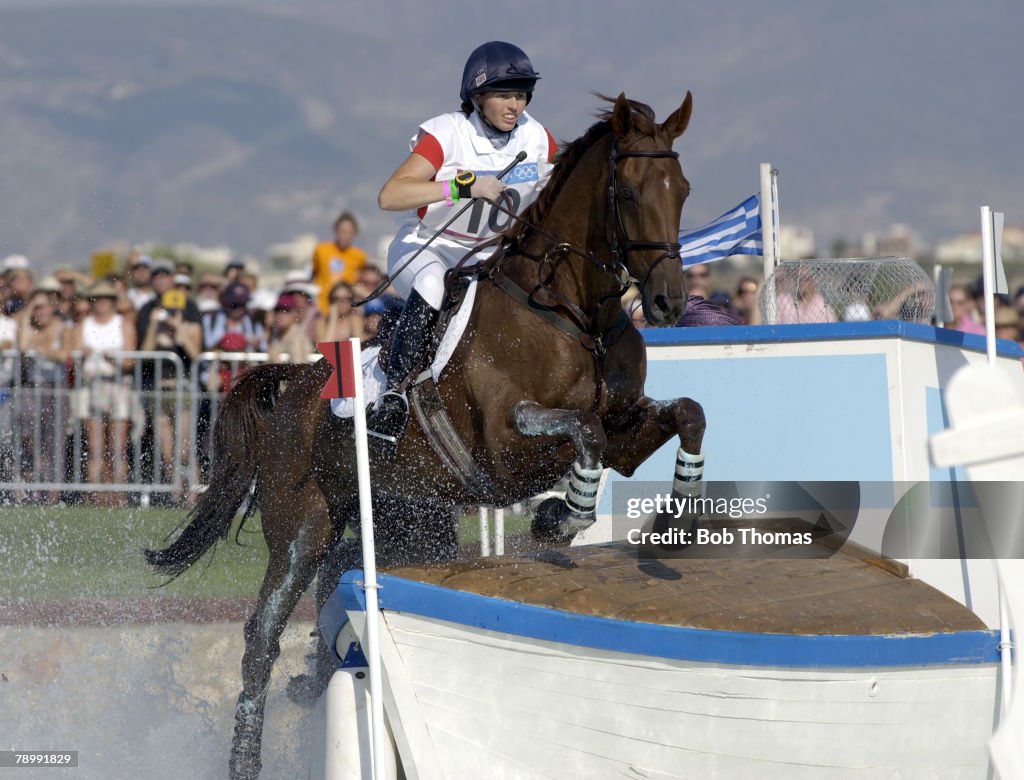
<point x="241" y="425"/>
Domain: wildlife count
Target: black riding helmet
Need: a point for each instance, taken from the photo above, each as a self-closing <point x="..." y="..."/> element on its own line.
<point x="497" y="66"/>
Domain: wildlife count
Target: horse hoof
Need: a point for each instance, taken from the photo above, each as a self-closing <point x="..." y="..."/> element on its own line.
<point x="550" y="524"/>
<point x="303" y="690"/>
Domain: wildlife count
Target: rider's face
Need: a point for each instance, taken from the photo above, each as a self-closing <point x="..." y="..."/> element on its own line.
<point x="503" y="109"/>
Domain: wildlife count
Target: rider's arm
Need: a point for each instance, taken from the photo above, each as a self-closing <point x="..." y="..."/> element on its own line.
<point x="413" y="185"/>
<point x="410" y="186"/>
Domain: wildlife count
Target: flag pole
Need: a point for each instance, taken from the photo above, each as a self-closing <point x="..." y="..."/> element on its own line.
<point x="371" y="645"/>
<point x="769" y="219"/>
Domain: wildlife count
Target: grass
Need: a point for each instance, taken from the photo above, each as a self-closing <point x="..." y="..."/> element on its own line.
<point x="51" y="553"/>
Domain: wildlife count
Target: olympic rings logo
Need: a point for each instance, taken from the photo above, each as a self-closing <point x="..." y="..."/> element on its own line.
<point x="524" y="172"/>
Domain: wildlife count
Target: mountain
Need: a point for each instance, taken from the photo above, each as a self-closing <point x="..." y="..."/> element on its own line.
<point x="247" y="124"/>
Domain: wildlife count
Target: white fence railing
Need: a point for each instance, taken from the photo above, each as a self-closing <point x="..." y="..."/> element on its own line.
<point x="136" y="423"/>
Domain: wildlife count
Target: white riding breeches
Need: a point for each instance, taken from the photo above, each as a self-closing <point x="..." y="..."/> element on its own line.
<point x="425" y="274"/>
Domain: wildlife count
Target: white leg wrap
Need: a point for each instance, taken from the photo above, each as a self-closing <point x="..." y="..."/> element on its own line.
<point x="581" y="497"/>
<point x="689" y="475"/>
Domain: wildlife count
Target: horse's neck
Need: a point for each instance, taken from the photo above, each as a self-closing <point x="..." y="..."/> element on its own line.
<point x="577" y="220"/>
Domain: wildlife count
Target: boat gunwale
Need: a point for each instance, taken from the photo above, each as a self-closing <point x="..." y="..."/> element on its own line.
<point x="685" y="643"/>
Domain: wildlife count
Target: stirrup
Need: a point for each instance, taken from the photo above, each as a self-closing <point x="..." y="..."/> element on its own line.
<point x="383" y="415"/>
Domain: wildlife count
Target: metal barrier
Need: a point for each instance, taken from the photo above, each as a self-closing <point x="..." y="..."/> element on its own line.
<point x="56" y="418"/>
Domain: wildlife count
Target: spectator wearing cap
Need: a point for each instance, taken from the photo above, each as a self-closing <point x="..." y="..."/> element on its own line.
<point x="208" y="293"/>
<point x="140" y="291"/>
<point x="342" y="321"/>
<point x="183" y="282"/>
<point x="305" y="294"/>
<point x="288" y="342"/>
<point x="338" y="260"/>
<point x="232" y="317"/>
<point x="373" y="318"/>
<point x="234" y="267"/>
<point x="105" y="396"/>
<point x="161" y="280"/>
<point x="169" y="331"/>
<point x="70" y="283"/>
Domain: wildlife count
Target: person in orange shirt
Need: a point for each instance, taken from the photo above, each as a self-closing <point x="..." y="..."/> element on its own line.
<point x="338" y="260"/>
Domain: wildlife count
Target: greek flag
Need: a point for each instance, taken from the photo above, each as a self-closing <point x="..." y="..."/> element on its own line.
<point x="737" y="232"/>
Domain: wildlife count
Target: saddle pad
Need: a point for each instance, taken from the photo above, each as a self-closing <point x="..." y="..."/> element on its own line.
<point x="375" y="380"/>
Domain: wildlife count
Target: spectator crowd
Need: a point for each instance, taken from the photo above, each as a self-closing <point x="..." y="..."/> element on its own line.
<point x="75" y="409"/>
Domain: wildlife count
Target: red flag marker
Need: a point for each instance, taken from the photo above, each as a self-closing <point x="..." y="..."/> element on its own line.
<point x="342" y="383"/>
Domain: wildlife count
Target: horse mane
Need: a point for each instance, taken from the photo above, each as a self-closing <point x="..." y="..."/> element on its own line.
<point x="569" y="156"/>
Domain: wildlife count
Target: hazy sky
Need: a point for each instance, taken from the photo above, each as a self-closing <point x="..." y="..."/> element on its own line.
<point x="874" y="112"/>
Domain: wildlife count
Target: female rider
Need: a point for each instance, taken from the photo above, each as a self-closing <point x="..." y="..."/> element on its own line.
<point x="455" y="158"/>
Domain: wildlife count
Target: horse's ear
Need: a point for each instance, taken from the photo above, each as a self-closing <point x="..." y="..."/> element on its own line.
<point x="622" y="116"/>
<point x="680" y="118"/>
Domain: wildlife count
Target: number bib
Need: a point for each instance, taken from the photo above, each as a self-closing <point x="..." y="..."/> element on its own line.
<point x="467" y="148"/>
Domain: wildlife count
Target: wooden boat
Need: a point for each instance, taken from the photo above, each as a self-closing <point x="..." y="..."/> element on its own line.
<point x="598" y="664"/>
<point x="601" y="661"/>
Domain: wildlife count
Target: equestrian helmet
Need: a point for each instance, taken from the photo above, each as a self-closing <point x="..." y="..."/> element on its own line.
<point x="495" y="66"/>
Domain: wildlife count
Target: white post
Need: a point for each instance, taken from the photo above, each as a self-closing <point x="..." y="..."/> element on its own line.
<point x="371" y="645"/>
<point x="989" y="273"/>
<point x="499" y="531"/>
<point x="485" y="534"/>
<point x="988" y="276"/>
<point x="769" y="219"/>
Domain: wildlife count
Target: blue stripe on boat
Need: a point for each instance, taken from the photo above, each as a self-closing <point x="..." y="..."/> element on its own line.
<point x="674" y="642"/>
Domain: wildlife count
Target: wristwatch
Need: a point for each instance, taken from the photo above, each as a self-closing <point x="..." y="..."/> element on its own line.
<point x="464" y="183"/>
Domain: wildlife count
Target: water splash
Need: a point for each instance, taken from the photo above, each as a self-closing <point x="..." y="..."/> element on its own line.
<point x="154" y="701"/>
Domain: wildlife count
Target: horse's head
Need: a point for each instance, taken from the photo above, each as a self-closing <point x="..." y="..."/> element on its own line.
<point x="646" y="189"/>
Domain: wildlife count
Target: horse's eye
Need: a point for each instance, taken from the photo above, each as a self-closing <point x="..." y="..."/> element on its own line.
<point x="627" y="193"/>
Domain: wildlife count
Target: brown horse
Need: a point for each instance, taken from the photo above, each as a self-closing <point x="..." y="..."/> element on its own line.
<point x="548" y="378"/>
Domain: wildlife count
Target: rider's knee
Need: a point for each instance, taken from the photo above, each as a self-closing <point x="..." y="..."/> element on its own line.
<point x="431" y="287"/>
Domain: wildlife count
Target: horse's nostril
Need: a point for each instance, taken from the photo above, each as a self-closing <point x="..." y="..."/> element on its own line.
<point x="661" y="303"/>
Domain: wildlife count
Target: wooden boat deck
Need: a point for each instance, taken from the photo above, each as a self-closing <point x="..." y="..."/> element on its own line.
<point x="841" y="594"/>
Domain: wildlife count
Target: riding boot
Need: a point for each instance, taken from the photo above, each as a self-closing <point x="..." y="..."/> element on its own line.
<point x="410" y="342"/>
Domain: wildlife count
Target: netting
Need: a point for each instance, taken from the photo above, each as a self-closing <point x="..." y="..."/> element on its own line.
<point x="848" y="290"/>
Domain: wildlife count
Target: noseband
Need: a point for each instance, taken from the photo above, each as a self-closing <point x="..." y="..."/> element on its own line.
<point x="617" y="237"/>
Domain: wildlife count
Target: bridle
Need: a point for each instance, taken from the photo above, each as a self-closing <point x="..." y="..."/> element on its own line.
<point x="617" y="237"/>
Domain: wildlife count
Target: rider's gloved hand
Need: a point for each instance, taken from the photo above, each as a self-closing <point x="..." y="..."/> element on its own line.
<point x="487" y="187"/>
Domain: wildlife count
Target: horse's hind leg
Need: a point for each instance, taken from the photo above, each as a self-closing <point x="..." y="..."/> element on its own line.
<point x="305" y="689"/>
<point x="556" y="519"/>
<point x="291" y="568"/>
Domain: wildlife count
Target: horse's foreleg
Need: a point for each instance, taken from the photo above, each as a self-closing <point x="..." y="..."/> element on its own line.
<point x="289" y="572"/>
<point x="643" y="428"/>
<point x="555" y="518"/>
<point x="637" y="433"/>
